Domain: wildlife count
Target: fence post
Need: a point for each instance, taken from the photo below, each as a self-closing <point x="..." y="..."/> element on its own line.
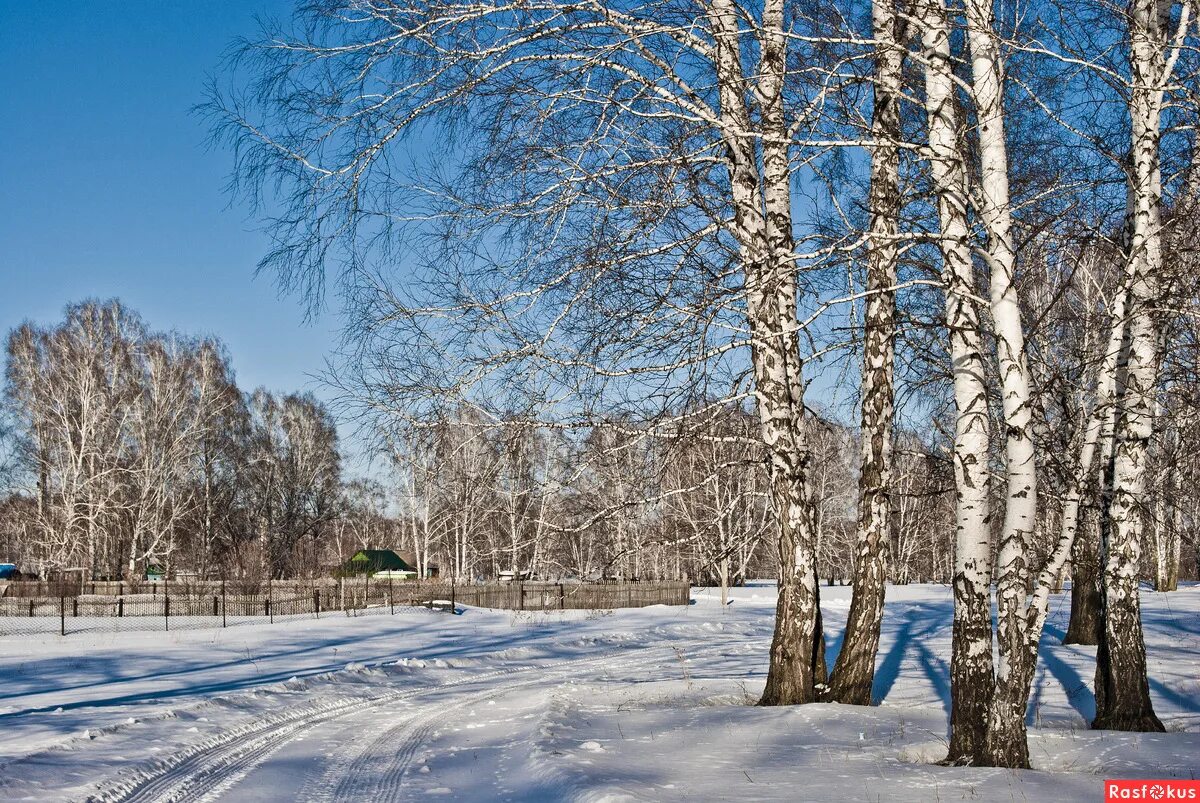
<point x="453" y="605"/>
<point x="75" y="607"/>
<point x="520" y="596"/>
<point x="120" y="607"/>
<point x="62" y="610"/>
<point x="391" y="597"/>
<point x="224" y="603"/>
<point x="562" y="597"/>
<point x="167" y="611"/>
<point x="317" y="603"/>
<point x="31" y="607"/>
<point x="216" y="606"/>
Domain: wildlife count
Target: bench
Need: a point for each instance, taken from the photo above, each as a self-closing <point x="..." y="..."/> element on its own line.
<point x="443" y="605"/>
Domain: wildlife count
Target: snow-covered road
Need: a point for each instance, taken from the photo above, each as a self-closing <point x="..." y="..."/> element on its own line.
<point x="647" y="704"/>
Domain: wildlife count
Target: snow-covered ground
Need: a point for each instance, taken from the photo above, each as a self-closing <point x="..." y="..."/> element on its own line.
<point x="648" y="704"/>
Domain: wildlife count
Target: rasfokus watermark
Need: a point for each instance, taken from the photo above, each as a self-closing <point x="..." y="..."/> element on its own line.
<point x="1151" y="790"/>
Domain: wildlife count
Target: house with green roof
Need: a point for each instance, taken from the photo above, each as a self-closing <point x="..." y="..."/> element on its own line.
<point x="372" y="562"/>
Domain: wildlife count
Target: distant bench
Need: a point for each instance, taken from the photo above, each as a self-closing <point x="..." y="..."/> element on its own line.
<point x="443" y="605"/>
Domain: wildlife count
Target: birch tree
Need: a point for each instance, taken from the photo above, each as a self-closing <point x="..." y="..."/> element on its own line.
<point x="631" y="184"/>
<point x="73" y="385"/>
<point x="971" y="669"/>
<point x="854" y="671"/>
<point x="1122" y="689"/>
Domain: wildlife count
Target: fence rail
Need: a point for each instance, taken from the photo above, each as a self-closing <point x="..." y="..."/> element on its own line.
<point x="166" y="606"/>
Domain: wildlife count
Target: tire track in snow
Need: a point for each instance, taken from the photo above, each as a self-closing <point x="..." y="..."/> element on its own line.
<point x="211" y="767"/>
<point x="374" y="772"/>
<point x="177" y="777"/>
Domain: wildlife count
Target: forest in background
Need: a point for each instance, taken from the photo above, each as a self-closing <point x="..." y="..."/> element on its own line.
<point x="603" y="263"/>
<point x="128" y="448"/>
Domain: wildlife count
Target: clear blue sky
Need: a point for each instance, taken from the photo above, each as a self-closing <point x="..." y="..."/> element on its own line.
<point x="107" y="188"/>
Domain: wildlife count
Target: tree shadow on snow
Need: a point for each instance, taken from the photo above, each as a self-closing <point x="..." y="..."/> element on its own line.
<point x="1079" y="693"/>
<point x="918" y="624"/>
<point x="110" y="672"/>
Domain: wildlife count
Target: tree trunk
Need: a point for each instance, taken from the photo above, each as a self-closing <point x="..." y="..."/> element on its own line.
<point x="1175" y="545"/>
<point x="763" y="228"/>
<point x="1086" y="610"/>
<point x="1167" y="521"/>
<point x="790" y="676"/>
<point x="854" y="671"/>
<point x="1084" y="626"/>
<point x="1122" y="688"/>
<point x="820" y="668"/>
<point x="971" y="679"/>
<point x="1121" y="685"/>
<point x="1005" y="744"/>
<point x="1007" y="739"/>
<point x="723" y="575"/>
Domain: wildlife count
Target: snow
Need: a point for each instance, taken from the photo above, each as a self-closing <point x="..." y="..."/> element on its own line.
<point x="643" y="704"/>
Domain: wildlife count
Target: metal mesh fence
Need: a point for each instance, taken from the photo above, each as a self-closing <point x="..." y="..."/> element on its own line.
<point x="43" y="608"/>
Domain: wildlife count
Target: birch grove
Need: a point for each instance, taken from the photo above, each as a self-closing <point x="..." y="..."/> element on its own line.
<point x="652" y="212"/>
<point x="856" y="290"/>
<point x="137" y="451"/>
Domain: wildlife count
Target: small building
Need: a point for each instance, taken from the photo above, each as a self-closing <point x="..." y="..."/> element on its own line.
<point x="431" y="569"/>
<point x="394" y="574"/>
<point x="374" y="562"/>
<point x="513" y="577"/>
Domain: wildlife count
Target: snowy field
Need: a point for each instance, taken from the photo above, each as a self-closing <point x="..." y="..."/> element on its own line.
<point x="648" y="704"/>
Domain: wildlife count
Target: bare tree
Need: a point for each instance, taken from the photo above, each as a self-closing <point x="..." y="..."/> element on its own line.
<point x="1122" y="689"/>
<point x="642" y="276"/>
<point x="971" y="660"/>
<point x="854" y="672"/>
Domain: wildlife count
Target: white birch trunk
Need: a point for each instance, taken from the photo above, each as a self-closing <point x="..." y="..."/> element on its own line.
<point x="854" y="672"/>
<point x="971" y="677"/>
<point x="1122" y="689"/>
<point x="763" y="227"/>
<point x="1006" y="741"/>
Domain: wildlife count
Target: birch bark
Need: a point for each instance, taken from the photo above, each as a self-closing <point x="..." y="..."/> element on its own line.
<point x="1122" y="689"/>
<point x="1167" y="515"/>
<point x="797" y="645"/>
<point x="971" y="678"/>
<point x="1086" y="615"/>
<point x="763" y="227"/>
<point x="854" y="671"/>
<point x="1006" y="741"/>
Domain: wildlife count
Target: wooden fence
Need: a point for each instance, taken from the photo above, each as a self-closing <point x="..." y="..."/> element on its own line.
<point x="532" y="596"/>
<point x="290" y="597"/>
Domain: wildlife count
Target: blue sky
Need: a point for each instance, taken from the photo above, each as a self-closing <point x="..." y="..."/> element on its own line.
<point x="108" y="188"/>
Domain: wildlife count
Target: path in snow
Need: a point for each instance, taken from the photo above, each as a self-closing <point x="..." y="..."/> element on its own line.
<point x="646" y="704"/>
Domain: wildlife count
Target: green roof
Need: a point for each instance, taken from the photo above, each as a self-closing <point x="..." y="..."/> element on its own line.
<point x="377" y="560"/>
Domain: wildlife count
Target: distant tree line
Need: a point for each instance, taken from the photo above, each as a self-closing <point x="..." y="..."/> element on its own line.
<point x="133" y="448"/>
<point x="478" y="497"/>
<point x="128" y="448"/>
